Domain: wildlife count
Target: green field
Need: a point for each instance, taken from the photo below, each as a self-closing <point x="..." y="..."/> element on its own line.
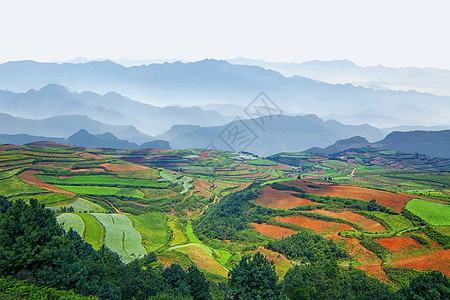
<point x="120" y="236"/>
<point x="14" y="186"/>
<point x="132" y="238"/>
<point x="178" y="179"/>
<point x="79" y="205"/>
<point x="261" y="162"/>
<point x="431" y="212"/>
<point x="94" y="232"/>
<point x="179" y="237"/>
<point x="190" y="234"/>
<point x="73" y="221"/>
<point x="153" y="228"/>
<point x="102" y="180"/>
<point x="113" y="235"/>
<point x="102" y="190"/>
<point x="395" y="222"/>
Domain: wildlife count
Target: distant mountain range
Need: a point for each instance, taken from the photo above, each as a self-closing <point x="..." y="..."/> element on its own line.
<point x="63" y="126"/>
<point x="431" y="80"/>
<point x="219" y="82"/>
<point x="277" y="134"/>
<point x="55" y="100"/>
<point x="83" y="138"/>
<point x="431" y="143"/>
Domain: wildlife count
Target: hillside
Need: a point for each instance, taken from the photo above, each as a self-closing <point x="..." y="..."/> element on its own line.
<point x="216" y="81"/>
<point x="279" y="133"/>
<point x="434" y="143"/>
<point x="54" y="100"/>
<point x="431" y="143"/>
<point x="83" y="138"/>
<point x="175" y="209"/>
<point x="64" y="126"/>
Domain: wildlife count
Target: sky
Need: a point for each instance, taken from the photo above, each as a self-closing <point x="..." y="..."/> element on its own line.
<point x="394" y="33"/>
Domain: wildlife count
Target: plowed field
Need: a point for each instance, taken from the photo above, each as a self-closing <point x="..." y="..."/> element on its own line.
<point x="407" y="253"/>
<point x="28" y="177"/>
<point x="123" y="168"/>
<point x="280" y="199"/>
<point x="367" y="224"/>
<point x="275" y="232"/>
<point x="394" y="201"/>
<point x="318" y="226"/>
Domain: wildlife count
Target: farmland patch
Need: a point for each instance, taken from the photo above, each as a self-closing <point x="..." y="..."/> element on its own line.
<point x="73" y="221"/>
<point x="120" y="236"/>
<point x="273" y="198"/>
<point x="431" y="212"/>
<point x="272" y="231"/>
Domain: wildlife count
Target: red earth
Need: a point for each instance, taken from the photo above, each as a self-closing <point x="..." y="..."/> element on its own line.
<point x="318" y="226"/>
<point x="397" y="243"/>
<point x="273" y="198"/>
<point x="367" y="224"/>
<point x="123" y="168"/>
<point x="392" y="200"/>
<point x="275" y="232"/>
<point x="28" y="177"/>
<point x="407" y="253"/>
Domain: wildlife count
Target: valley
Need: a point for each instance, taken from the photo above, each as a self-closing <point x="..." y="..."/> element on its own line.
<point x="386" y="210"/>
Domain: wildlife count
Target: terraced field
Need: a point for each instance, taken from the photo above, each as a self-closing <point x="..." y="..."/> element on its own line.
<point x="433" y="213"/>
<point x="102" y="190"/>
<point x="394" y="201"/>
<point x="120" y="236"/>
<point x="73" y="221"/>
<point x="273" y="198"/>
<point x="94" y="233"/>
<point x="178" y="179"/>
<point x="102" y="180"/>
<point x="365" y="223"/>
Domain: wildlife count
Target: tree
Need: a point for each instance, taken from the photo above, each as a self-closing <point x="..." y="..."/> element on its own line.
<point x="254" y="278"/>
<point x="198" y="284"/>
<point x="432" y="285"/>
<point x="175" y="278"/>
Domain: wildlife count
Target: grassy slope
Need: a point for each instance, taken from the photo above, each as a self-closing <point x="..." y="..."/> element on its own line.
<point x="101" y="179"/>
<point x="431" y="212"/>
<point x="153" y="228"/>
<point x="94" y="233"/>
<point x="102" y="190"/>
<point x="113" y="235"/>
<point x="132" y="238"/>
<point x="73" y="221"/>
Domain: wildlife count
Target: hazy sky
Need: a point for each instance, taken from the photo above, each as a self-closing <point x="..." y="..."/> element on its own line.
<point x="392" y="33"/>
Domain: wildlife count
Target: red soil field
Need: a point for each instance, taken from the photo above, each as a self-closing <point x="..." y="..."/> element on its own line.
<point x="272" y="231"/>
<point x="356" y="250"/>
<point x="369" y="262"/>
<point x="407" y="253"/>
<point x="394" y="201"/>
<point x="91" y="155"/>
<point x="28" y="177"/>
<point x="397" y="243"/>
<point x="88" y="170"/>
<point x="10" y="147"/>
<point x="374" y="271"/>
<point x="280" y="167"/>
<point x="202" y="187"/>
<point x="123" y="168"/>
<point x="367" y="224"/>
<point x="273" y="198"/>
<point x="316" y="225"/>
<point x="439" y="260"/>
